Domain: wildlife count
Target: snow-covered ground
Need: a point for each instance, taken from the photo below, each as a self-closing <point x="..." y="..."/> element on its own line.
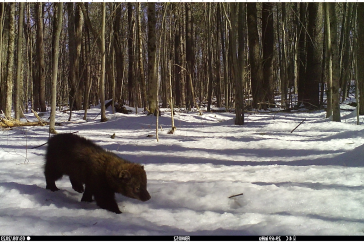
<point x="309" y="182"/>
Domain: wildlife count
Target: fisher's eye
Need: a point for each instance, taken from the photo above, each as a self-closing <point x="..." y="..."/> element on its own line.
<point x="137" y="188"/>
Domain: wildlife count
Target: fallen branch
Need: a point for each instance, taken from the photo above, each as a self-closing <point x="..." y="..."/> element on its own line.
<point x="9" y="123"/>
<point x="236" y="195"/>
<point x="298" y="125"/>
<point x="15" y="123"/>
<point x="39" y="119"/>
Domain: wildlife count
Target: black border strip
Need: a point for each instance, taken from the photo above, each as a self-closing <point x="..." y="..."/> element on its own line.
<point x="180" y="238"/>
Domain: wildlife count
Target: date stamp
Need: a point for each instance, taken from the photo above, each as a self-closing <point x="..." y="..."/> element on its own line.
<point x="12" y="238"/>
<point x="270" y="238"/>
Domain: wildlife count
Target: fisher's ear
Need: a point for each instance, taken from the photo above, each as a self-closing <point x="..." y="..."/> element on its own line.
<point x="143" y="167"/>
<point x="124" y="175"/>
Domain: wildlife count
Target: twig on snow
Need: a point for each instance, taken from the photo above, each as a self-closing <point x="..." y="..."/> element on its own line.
<point x="298" y="125"/>
<point x="236" y="195"/>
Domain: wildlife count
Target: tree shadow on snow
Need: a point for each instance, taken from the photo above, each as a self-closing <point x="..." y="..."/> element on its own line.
<point x="44" y="197"/>
<point x="164" y="154"/>
<point x="312" y="185"/>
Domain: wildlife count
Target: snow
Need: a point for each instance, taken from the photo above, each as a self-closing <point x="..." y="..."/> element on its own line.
<point x="308" y="182"/>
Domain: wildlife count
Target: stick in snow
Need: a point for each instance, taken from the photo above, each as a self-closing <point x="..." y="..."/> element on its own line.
<point x="298" y="125"/>
<point x="236" y="195"/>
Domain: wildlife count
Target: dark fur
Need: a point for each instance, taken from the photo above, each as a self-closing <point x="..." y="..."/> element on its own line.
<point x="102" y="172"/>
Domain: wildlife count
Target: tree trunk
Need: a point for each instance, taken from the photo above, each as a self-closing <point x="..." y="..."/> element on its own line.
<point x="78" y="41"/>
<point x="75" y="22"/>
<point x="152" y="65"/>
<point x="189" y="56"/>
<point x="224" y="47"/>
<point x="177" y="60"/>
<point x="119" y="53"/>
<point x="335" y="65"/>
<point x="302" y="54"/>
<point x="19" y="79"/>
<point x="283" y="60"/>
<point x="87" y="50"/>
<point x="103" y="60"/>
<point x="209" y="51"/>
<point x="345" y="61"/>
<point x="329" y="59"/>
<point x="254" y="55"/>
<point x="239" y="83"/>
<point x="57" y="33"/>
<point x="131" y="55"/>
<point x="314" y="55"/>
<point x="2" y="18"/>
<point x="268" y="44"/>
<point x="40" y="55"/>
<point x="10" y="61"/>
<point x="141" y="58"/>
<point x="360" y="54"/>
<point x="218" y="56"/>
<point x="29" y="84"/>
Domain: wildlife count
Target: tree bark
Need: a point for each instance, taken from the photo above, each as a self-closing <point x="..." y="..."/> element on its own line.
<point x="329" y="59"/>
<point x="131" y="55"/>
<point x="239" y="83"/>
<point x="40" y="55"/>
<point x="335" y="65"/>
<point x="345" y="59"/>
<point x="209" y="51"/>
<point x="2" y="18"/>
<point x="268" y="44"/>
<point x="314" y="55"/>
<point x="78" y="41"/>
<point x="141" y="58"/>
<point x="152" y="64"/>
<point x="57" y="33"/>
<point x="189" y="56"/>
<point x="19" y="79"/>
<point x="283" y="65"/>
<point x="177" y="60"/>
<point x="360" y="54"/>
<point x="254" y="55"/>
<point x="103" y="60"/>
<point x="10" y="61"/>
<point x="119" y="53"/>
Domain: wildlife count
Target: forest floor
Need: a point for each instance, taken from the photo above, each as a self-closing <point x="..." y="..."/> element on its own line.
<point x="306" y="182"/>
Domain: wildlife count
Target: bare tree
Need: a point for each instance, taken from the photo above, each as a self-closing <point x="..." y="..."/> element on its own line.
<point x="335" y="65"/>
<point x="131" y="84"/>
<point x="2" y="20"/>
<point x="329" y="58"/>
<point x="360" y="54"/>
<point x="209" y="51"/>
<point x="40" y="54"/>
<point x="268" y="44"/>
<point x="19" y="79"/>
<point x="10" y="61"/>
<point x="189" y="56"/>
<point x="254" y="55"/>
<point x="314" y="54"/>
<point x="240" y="71"/>
<point x="119" y="53"/>
<point x="140" y="53"/>
<point x="345" y="45"/>
<point x="103" y="60"/>
<point x="57" y="33"/>
<point x="152" y="61"/>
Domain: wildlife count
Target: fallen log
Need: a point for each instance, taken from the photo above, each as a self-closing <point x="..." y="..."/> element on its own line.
<point x="9" y="123"/>
<point x="39" y="119"/>
<point x="14" y="123"/>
